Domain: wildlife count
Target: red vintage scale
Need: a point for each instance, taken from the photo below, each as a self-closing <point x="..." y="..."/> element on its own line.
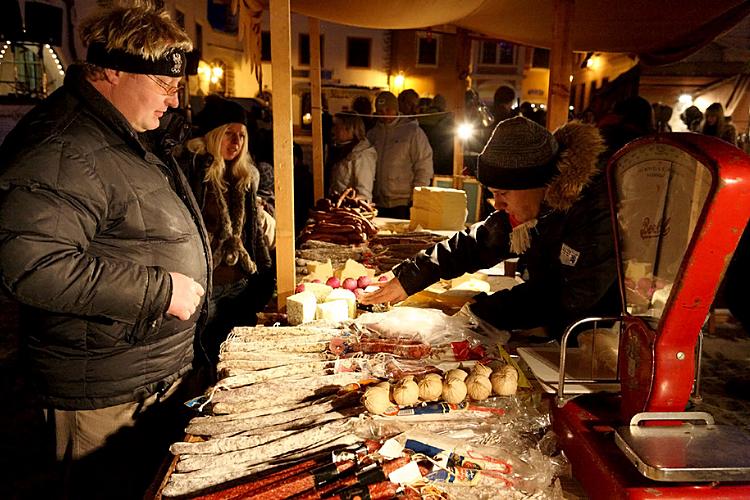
<point x="679" y="205"/>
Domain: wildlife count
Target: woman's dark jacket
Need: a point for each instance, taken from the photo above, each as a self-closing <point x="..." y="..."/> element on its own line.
<point x="91" y="224"/>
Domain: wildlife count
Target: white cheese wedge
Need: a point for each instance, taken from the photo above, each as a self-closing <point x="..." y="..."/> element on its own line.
<point x="438" y="208"/>
<point x="320" y="290"/>
<point x="348" y="296"/>
<point x="301" y="307"/>
<point x="335" y="310"/>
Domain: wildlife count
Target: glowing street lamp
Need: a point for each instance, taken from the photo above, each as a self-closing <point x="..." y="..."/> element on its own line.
<point x="465" y="131"/>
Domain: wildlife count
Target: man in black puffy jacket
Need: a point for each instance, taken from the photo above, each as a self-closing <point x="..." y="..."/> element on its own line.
<point x="552" y="210"/>
<point x="103" y="245"/>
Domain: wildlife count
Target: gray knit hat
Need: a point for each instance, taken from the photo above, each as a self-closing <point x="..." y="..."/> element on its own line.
<point x="520" y="154"/>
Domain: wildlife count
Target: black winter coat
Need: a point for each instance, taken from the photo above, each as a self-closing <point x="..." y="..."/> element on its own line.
<point x="91" y="223"/>
<point x="558" y="291"/>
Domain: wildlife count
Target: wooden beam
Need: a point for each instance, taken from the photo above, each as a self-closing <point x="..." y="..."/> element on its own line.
<point x="317" y="108"/>
<point x="561" y="64"/>
<point x="463" y="60"/>
<point x="281" y="74"/>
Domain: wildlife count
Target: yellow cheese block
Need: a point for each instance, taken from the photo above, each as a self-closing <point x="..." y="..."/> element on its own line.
<point x="353" y="269"/>
<point x="438" y="208"/>
<point x="320" y="290"/>
<point x="319" y="270"/>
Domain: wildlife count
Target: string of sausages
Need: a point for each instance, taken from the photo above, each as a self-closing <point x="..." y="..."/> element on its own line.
<point x="348" y="221"/>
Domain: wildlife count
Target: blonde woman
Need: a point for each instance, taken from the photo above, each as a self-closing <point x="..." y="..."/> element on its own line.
<point x="224" y="181"/>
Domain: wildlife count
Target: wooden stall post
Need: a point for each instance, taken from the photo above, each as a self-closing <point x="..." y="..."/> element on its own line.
<point x="317" y="108"/>
<point x="561" y="63"/>
<point x="281" y="73"/>
<point x="462" y="70"/>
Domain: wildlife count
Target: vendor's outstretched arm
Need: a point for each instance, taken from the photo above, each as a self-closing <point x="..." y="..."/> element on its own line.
<point x="482" y="245"/>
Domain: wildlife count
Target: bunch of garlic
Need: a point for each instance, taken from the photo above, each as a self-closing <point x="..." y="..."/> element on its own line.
<point x="406" y="392"/>
<point x="504" y="380"/>
<point x="377" y="398"/>
<point x="478" y="385"/>
<point x="454" y="390"/>
<point x="430" y="387"/>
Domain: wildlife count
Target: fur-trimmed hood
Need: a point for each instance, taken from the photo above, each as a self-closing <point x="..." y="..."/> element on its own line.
<point x="580" y="145"/>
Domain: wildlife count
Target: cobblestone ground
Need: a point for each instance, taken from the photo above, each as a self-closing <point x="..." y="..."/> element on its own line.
<point x="726" y="361"/>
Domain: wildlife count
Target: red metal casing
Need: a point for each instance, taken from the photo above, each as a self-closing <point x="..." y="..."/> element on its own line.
<point x="657" y="364"/>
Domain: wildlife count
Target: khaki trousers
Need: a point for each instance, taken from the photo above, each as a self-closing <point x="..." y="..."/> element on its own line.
<point x="115" y="452"/>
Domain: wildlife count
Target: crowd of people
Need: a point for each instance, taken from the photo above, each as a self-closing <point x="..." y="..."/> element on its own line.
<point x="134" y="249"/>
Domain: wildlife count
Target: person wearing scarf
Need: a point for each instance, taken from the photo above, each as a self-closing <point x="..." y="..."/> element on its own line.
<point x="552" y="211"/>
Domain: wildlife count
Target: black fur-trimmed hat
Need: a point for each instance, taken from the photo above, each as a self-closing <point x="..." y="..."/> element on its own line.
<point x="520" y="154"/>
<point x="219" y="111"/>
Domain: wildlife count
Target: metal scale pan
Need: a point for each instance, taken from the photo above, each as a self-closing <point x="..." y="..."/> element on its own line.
<point x="687" y="452"/>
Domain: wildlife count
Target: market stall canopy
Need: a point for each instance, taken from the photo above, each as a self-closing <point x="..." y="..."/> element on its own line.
<point x="659" y="30"/>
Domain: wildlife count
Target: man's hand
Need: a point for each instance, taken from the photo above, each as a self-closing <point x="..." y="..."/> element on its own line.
<point x="390" y="291"/>
<point x="186" y="295"/>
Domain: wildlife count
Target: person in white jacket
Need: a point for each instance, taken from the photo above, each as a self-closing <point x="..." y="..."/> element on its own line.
<point x="404" y="158"/>
<point x="353" y="158"/>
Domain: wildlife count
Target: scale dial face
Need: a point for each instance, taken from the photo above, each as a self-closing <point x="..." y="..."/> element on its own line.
<point x="659" y="192"/>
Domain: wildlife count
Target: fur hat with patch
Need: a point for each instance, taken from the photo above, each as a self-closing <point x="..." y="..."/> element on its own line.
<point x="522" y="154"/>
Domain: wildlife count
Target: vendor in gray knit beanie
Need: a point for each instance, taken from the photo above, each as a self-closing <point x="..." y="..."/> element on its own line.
<point x="552" y="209"/>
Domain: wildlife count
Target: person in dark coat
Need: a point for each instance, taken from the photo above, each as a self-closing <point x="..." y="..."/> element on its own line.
<point x="103" y="245"/>
<point x="552" y="209"/>
<point x="225" y="181"/>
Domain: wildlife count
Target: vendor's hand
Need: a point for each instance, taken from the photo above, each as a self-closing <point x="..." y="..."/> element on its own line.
<point x="186" y="296"/>
<point x="389" y="291"/>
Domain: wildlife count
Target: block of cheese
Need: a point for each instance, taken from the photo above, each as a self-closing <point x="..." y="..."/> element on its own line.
<point x="353" y="269"/>
<point x="348" y="296"/>
<point x="438" y="208"/>
<point x="301" y="308"/>
<point x="335" y="310"/>
<point x="320" y="290"/>
<point x="472" y="285"/>
<point x="319" y="270"/>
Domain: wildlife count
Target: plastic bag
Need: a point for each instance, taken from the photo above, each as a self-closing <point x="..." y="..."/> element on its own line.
<point x="430" y="326"/>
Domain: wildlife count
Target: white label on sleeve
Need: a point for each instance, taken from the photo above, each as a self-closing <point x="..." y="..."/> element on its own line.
<point x="569" y="256"/>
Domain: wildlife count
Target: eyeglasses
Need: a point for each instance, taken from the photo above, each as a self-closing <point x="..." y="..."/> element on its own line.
<point x="168" y="89"/>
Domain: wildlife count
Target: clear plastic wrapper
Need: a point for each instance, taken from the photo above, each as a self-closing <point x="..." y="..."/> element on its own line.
<point x="430" y="326"/>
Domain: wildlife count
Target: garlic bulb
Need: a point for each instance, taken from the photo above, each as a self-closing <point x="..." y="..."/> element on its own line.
<point x="478" y="387"/>
<point x="376" y="400"/>
<point x="430" y="388"/>
<point x="482" y="370"/>
<point x="456" y="373"/>
<point x="454" y="390"/>
<point x="406" y="392"/>
<point x="504" y="381"/>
